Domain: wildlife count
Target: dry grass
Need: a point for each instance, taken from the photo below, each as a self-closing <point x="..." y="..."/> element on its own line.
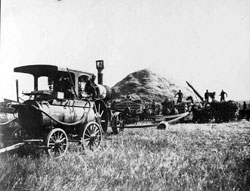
<point x="182" y="157"/>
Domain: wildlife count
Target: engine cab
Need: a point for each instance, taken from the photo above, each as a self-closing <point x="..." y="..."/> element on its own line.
<point x="63" y="83"/>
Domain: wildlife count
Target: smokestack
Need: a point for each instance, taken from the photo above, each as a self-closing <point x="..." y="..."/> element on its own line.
<point x="100" y="67"/>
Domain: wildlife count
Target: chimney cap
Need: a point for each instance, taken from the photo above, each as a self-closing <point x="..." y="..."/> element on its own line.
<point x="99" y="64"/>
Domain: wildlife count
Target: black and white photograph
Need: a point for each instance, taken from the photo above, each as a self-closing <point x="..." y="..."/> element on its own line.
<point x="125" y="95"/>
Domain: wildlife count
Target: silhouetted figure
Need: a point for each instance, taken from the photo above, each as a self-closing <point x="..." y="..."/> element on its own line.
<point x="206" y="96"/>
<point x="222" y="96"/>
<point x="180" y="96"/>
<point x="244" y="106"/>
<point x="244" y="110"/>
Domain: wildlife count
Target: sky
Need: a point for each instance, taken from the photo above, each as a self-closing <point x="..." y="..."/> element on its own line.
<point x="204" y="42"/>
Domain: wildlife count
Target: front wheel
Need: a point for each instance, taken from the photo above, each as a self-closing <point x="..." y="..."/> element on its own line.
<point x="92" y="137"/>
<point x="57" y="143"/>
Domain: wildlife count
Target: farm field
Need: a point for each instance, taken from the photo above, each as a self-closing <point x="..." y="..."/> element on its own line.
<point x="181" y="157"/>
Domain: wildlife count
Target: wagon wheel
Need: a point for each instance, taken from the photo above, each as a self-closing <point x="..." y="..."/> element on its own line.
<point x="101" y="113"/>
<point x="57" y="143"/>
<point x="92" y="137"/>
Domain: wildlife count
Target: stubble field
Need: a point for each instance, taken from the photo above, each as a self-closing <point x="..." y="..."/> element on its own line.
<point x="182" y="157"/>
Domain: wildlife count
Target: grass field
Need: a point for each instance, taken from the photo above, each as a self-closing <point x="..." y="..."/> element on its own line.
<point x="182" y="157"/>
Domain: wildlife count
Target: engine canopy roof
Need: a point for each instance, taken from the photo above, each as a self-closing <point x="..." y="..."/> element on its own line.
<point x="47" y="70"/>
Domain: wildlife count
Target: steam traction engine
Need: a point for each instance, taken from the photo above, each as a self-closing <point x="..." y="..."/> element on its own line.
<point x="64" y="112"/>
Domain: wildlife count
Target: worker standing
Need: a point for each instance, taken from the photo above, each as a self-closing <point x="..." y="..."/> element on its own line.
<point x="180" y="96"/>
<point x="222" y="96"/>
<point x="206" y="96"/>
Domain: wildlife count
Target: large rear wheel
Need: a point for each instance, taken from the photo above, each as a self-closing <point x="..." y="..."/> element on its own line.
<point x="101" y="114"/>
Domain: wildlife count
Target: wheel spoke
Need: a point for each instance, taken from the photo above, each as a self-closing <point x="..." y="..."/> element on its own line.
<point x="86" y="135"/>
<point x="61" y="140"/>
<point x="52" y="139"/>
<point x="96" y="131"/>
<point x="87" y="139"/>
<point x="51" y="144"/>
<point x="54" y="135"/>
<point x="101" y="113"/>
<point x="88" y="131"/>
<point x="94" y="144"/>
<point x="87" y="143"/>
<point x="61" y="136"/>
<point x="58" y="149"/>
<point x="58" y="135"/>
<point x="95" y="109"/>
<point x="52" y="148"/>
